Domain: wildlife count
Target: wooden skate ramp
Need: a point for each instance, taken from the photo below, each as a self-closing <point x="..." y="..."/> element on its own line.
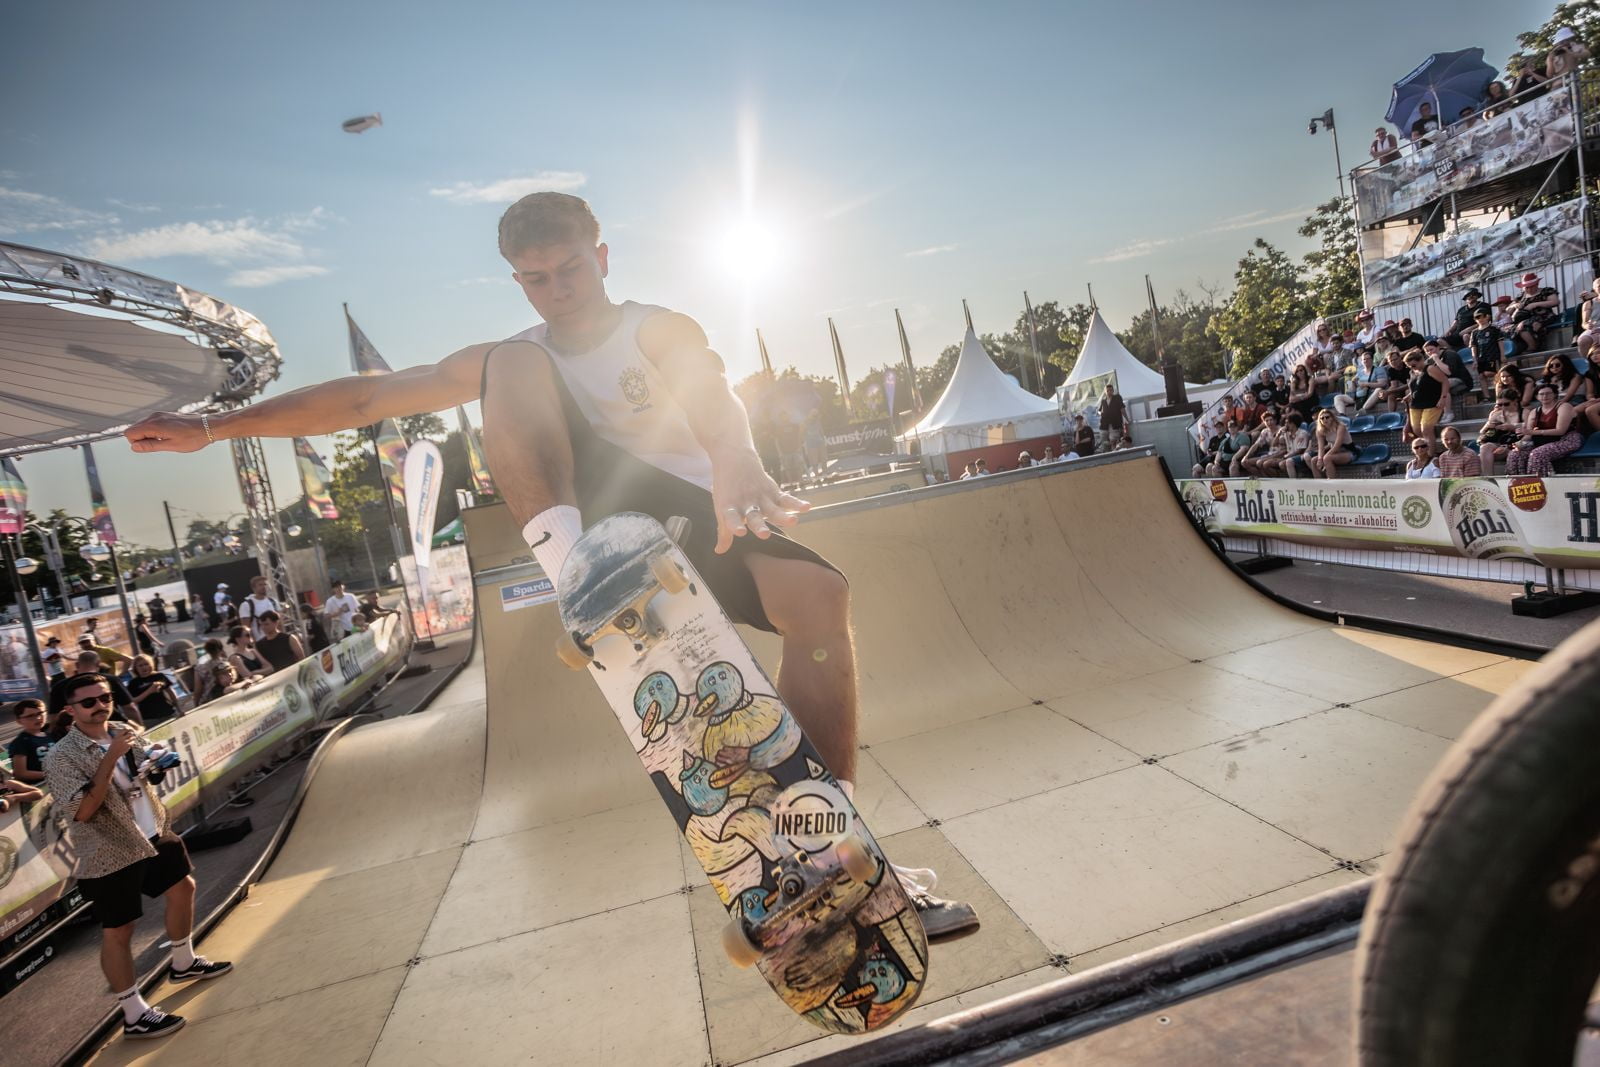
<point x="1071" y="708"/>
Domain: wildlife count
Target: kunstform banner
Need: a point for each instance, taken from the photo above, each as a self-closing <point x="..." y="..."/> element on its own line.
<point x="1539" y="237"/>
<point x="1464" y="157"/>
<point x="220" y="742"/>
<point x="1552" y="522"/>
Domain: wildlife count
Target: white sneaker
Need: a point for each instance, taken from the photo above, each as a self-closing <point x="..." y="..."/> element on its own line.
<point x="1447" y="418"/>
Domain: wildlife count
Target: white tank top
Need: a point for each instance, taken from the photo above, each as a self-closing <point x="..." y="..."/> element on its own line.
<point x="626" y="400"/>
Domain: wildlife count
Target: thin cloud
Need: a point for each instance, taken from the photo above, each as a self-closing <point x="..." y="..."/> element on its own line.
<point x="932" y="251"/>
<point x="223" y="242"/>
<point x="482" y="279"/>
<point x="508" y="189"/>
<point x="260" y="277"/>
<point x="125" y="205"/>
<point x="1247" y="221"/>
<point x="22" y="211"/>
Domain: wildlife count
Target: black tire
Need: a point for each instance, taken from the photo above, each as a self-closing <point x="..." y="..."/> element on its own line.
<point x="1481" y="943"/>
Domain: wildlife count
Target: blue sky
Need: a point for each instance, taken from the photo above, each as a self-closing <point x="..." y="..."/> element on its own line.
<point x="888" y="155"/>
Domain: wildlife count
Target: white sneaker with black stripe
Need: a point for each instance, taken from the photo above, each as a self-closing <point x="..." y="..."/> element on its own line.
<point x="153" y="1023"/>
<point x="200" y="968"/>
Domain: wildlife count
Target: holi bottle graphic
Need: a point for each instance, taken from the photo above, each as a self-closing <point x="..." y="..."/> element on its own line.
<point x="1201" y="501"/>
<point x="1482" y="522"/>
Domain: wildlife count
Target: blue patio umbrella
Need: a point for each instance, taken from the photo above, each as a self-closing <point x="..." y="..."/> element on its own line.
<point x="1449" y="81"/>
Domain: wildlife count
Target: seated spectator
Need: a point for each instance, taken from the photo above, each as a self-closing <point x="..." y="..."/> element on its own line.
<point x="1332" y="447"/>
<point x="247" y="660"/>
<point x="1234" y="441"/>
<point x="1349" y="349"/>
<point x="1024" y="460"/>
<point x="1501" y="429"/>
<point x="1502" y="314"/>
<point x="1208" y="454"/>
<point x="1485" y="340"/>
<point x="1326" y="341"/>
<point x="152" y="692"/>
<point x="1457" y="460"/>
<point x="967" y="472"/>
<point x="29" y="748"/>
<point x="1566" y="53"/>
<point x="1429" y="380"/>
<point x="1367" y="377"/>
<point x="1408" y="339"/>
<point x="1384" y="148"/>
<point x="1367" y="330"/>
<point x="1302" y="394"/>
<point x="1588" y="321"/>
<point x="1391" y="393"/>
<point x="1264" y="389"/>
<point x="282" y="649"/>
<point x="1461" y="379"/>
<point x="980" y="468"/>
<point x="1495" y="97"/>
<point x="1533" y="312"/>
<point x="1297" y="446"/>
<point x="1466" y="318"/>
<point x="1421" y="465"/>
<point x="1548" y="433"/>
<point x="1560" y="373"/>
<point x="1264" y="457"/>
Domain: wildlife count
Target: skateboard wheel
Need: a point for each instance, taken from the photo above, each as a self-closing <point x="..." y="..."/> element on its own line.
<point x="667" y="575"/>
<point x="569" y="652"/>
<point x="737" y="944"/>
<point x="857" y="860"/>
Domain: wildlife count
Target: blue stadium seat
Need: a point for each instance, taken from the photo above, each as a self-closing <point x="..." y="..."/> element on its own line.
<point x="1362" y="423"/>
<point x="1580" y="364"/>
<point x="1590" y="447"/>
<point x="1372" y="455"/>
<point x="1326" y="400"/>
<point x="1390" y="420"/>
<point x="1508" y="347"/>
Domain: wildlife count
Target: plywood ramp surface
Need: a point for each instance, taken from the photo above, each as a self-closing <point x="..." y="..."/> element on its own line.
<point x="1070" y="707"/>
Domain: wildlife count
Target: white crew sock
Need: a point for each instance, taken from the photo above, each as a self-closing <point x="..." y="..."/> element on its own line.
<point x="133" y="1005"/>
<point x="551" y="534"/>
<point x="183" y="953"/>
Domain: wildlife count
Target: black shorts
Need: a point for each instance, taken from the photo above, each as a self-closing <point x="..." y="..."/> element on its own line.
<point x="115" y="896"/>
<point x="608" y="480"/>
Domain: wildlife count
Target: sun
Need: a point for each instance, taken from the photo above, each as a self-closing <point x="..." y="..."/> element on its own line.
<point x="749" y="250"/>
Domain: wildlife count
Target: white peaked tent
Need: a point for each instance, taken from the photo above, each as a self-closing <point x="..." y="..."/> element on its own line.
<point x="982" y="405"/>
<point x="1102" y="353"/>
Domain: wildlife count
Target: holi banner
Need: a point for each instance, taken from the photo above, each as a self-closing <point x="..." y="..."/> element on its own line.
<point x="1534" y="239"/>
<point x="219" y="742"/>
<point x="1465" y="156"/>
<point x="1549" y="522"/>
<point x="314" y="480"/>
<point x="482" y="483"/>
<point x="101" y="520"/>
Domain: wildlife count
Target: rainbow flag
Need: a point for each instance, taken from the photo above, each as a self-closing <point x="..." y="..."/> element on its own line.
<point x="314" y="479"/>
<point x="482" y="483"/>
<point x="101" y="520"/>
<point x="13" y="498"/>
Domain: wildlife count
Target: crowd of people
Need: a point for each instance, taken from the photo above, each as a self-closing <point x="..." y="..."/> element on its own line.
<point x="1531" y="77"/>
<point x="1299" y="426"/>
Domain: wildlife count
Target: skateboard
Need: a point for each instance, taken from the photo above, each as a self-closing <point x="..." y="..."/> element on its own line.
<point x="811" y="901"/>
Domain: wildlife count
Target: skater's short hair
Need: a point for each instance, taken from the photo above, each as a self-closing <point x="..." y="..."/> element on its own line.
<point x="542" y="219"/>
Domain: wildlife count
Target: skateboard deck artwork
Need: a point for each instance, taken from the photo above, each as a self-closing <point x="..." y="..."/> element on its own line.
<point x="811" y="900"/>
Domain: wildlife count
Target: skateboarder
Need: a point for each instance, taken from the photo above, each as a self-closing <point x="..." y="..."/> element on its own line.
<point x="604" y="408"/>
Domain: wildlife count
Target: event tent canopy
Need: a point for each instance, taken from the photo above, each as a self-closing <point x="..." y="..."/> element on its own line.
<point x="1103" y="353"/>
<point x="980" y="397"/>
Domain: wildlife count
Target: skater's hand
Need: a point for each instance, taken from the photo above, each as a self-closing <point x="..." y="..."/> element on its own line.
<point x="166" y="431"/>
<point x="747" y="500"/>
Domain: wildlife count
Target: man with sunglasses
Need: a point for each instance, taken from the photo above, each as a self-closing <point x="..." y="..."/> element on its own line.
<point x="103" y="782"/>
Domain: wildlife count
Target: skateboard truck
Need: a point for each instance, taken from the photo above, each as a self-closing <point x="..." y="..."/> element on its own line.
<point x="636" y="622"/>
<point x="802" y="887"/>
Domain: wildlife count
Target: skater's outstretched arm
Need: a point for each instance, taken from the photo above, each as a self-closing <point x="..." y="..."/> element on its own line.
<point x="745" y="497"/>
<point x="328" y="407"/>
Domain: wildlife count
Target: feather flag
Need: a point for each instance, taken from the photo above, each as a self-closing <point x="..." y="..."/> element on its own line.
<point x="13" y="498"/>
<point x="101" y="521"/>
<point x="482" y="483"/>
<point x="838" y="365"/>
<point x="364" y="359"/>
<point x="314" y="479"/>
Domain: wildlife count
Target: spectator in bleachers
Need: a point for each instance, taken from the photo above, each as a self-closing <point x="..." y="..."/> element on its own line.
<point x="1302" y="394"/>
<point x="1297" y="446"/>
<point x="1548" y="433"/>
<point x="1510" y="376"/>
<point x="1588" y="321"/>
<point x="32" y="744"/>
<point x="1425" y="125"/>
<point x="1264" y="457"/>
<point x="1368" y="330"/>
<point x="1429" y="380"/>
<point x="1565" y="55"/>
<point x="1457" y="460"/>
<point x="1527" y="82"/>
<point x="1332" y="447"/>
<point x="1408" y="338"/>
<point x="1391" y="391"/>
<point x="1350" y="349"/>
<point x="1248" y="414"/>
<point x="1326" y="341"/>
<point x="1502" y="315"/>
<point x="1461" y="379"/>
<point x="1533" y="311"/>
<point x="1421" y="464"/>
<point x="1570" y="386"/>
<point x="1367" y="377"/>
<point x="1233" y="445"/>
<point x="1466" y="318"/>
<point x="1484" y="341"/>
<point x="1501" y="429"/>
<point x="1466" y="118"/>
<point x="1495" y="96"/>
<point x="1384" y="148"/>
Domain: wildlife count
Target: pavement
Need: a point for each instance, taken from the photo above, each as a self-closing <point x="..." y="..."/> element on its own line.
<point x="1089" y="725"/>
<point x="51" y="1012"/>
